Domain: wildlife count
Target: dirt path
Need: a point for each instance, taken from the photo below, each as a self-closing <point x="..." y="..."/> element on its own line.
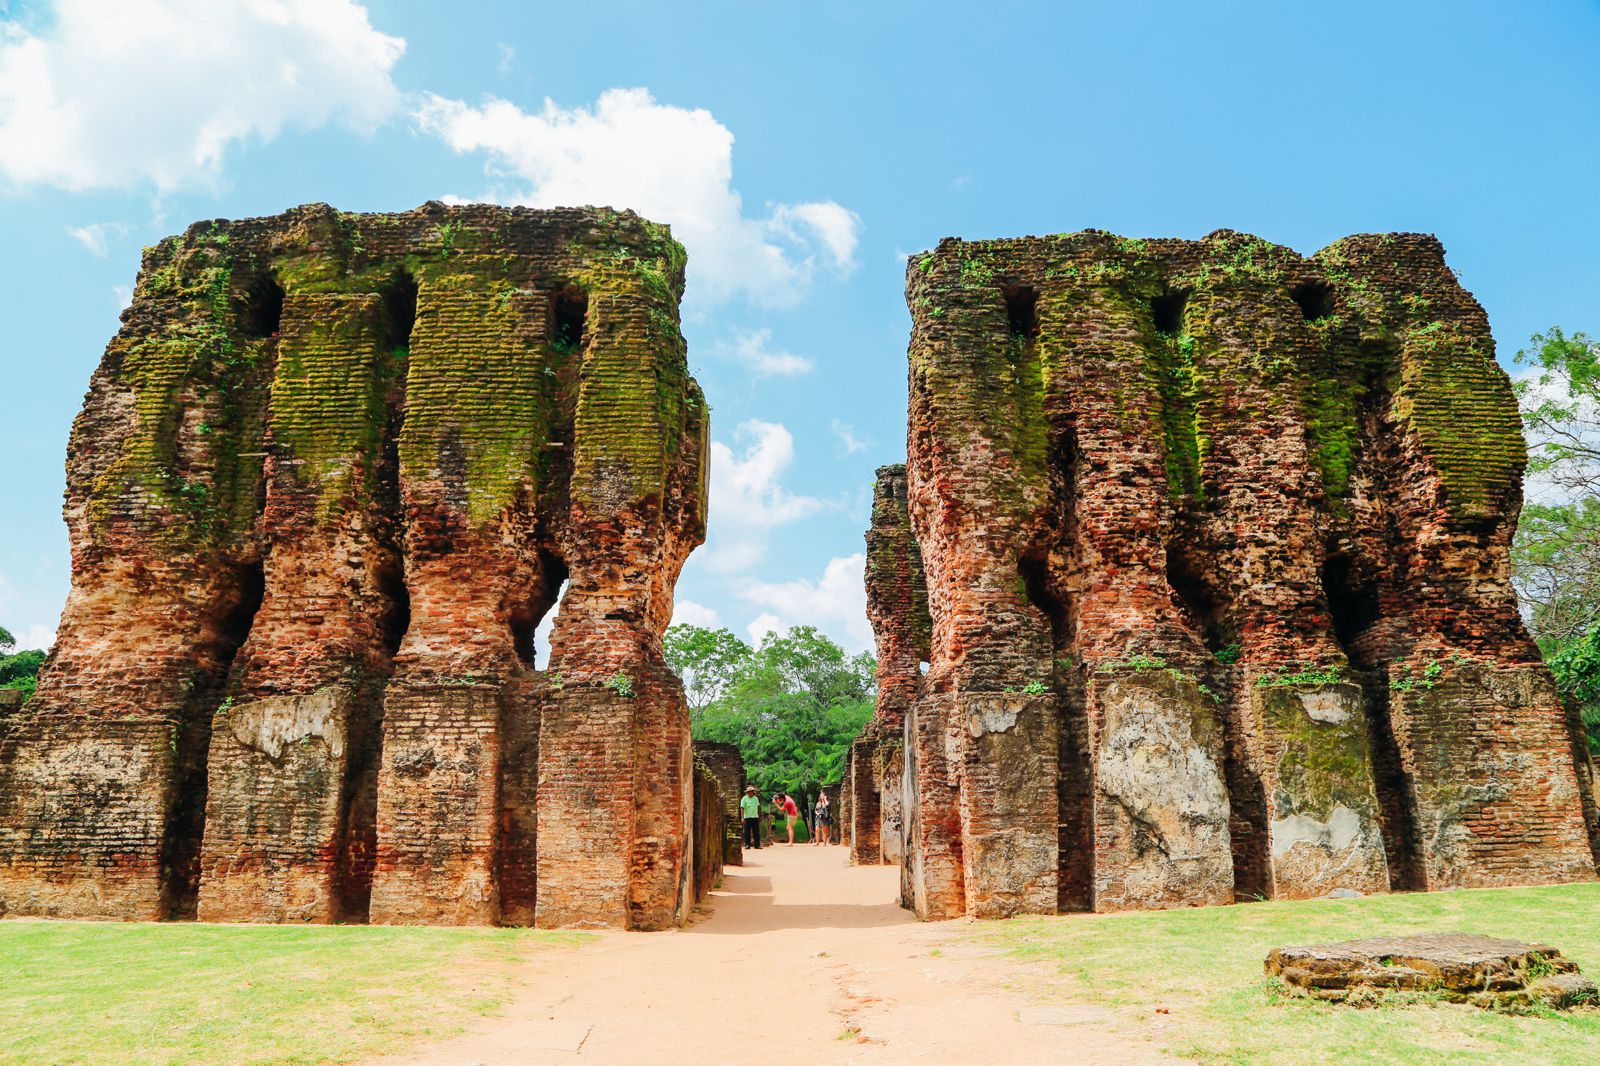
<point x="802" y="959"/>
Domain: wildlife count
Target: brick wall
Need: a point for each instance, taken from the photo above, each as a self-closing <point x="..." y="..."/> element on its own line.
<point x="724" y="763"/>
<point x="710" y="830"/>
<point x="331" y="474"/>
<point x="1215" y="546"/>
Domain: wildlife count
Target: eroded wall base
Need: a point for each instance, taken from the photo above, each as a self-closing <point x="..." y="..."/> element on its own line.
<point x="274" y="811"/>
<point x="1497" y="801"/>
<point x="85" y="808"/>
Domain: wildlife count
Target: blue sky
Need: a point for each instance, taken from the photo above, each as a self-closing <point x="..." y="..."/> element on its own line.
<point x="801" y="152"/>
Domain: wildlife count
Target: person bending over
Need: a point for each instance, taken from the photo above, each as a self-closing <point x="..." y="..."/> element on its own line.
<point x="786" y="806"/>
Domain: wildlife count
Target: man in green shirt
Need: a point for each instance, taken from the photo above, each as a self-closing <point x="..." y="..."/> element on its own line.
<point x="750" y="811"/>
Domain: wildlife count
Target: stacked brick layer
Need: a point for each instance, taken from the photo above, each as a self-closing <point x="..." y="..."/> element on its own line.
<point x="897" y="606"/>
<point x="1215" y="541"/>
<point x="724" y="763"/>
<point x="330" y="476"/>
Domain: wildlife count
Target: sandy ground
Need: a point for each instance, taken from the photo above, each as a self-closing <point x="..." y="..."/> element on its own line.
<point x="798" y="958"/>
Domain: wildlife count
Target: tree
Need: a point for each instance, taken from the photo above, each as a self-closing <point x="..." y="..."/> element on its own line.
<point x="791" y="706"/>
<point x="18" y="669"/>
<point x="1556" y="555"/>
<point x="706" y="660"/>
<point x="1576" y="665"/>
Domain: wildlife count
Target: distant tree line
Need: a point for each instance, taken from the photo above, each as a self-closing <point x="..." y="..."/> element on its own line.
<point x="18" y="669"/>
<point x="791" y="704"/>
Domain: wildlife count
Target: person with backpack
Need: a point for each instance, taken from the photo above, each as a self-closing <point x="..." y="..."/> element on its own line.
<point x="822" y="820"/>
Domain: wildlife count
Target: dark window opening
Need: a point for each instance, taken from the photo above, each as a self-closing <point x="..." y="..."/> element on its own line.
<point x="1167" y="311"/>
<point x="396" y="616"/>
<point x="1193" y="597"/>
<point x="180" y="851"/>
<point x="569" y="312"/>
<point x="400" y="309"/>
<point x="539" y="610"/>
<point x="1022" y="310"/>
<point x="261" y="310"/>
<point x="1315" y="299"/>
<point x="1353" y="603"/>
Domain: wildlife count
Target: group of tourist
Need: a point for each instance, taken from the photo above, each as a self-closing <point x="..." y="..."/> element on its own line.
<point x="784" y="806"/>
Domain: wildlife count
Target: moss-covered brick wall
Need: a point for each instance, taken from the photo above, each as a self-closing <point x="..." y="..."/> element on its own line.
<point x="897" y="605"/>
<point x="331" y="474"/>
<point x="1218" y="507"/>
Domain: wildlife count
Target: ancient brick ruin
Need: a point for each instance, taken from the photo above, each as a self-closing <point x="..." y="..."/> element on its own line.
<point x="1216" y="548"/>
<point x="330" y="476"/>
<point x="897" y="606"/>
<point x="726" y="767"/>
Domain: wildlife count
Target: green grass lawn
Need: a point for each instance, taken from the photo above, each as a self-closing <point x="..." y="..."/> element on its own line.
<point x="84" y="992"/>
<point x="1204" y="965"/>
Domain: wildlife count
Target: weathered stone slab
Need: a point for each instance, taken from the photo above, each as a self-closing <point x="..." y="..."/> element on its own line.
<point x="1483" y="970"/>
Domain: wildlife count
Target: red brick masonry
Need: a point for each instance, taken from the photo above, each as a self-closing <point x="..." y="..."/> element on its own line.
<point x="331" y="474"/>
<point x="1215" y="543"/>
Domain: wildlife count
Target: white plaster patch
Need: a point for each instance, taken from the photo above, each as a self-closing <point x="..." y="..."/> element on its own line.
<point x="85" y="762"/>
<point x="1331" y="706"/>
<point x="270" y="725"/>
<point x="1163" y="778"/>
<point x="1341" y="832"/>
<point x="984" y="717"/>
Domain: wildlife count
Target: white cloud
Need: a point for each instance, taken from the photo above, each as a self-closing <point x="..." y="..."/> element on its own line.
<point x="839" y="597"/>
<point x="95" y="235"/>
<point x="748" y="498"/>
<point x="670" y="164"/>
<point x="38" y="637"/>
<point x="28" y="635"/>
<point x="849" y="443"/>
<point x="837" y="227"/>
<point x="115" y="93"/>
<point x="760" y="626"/>
<point x="690" y="613"/>
<point x="123" y="294"/>
<point x="753" y="349"/>
<point x="508" y="56"/>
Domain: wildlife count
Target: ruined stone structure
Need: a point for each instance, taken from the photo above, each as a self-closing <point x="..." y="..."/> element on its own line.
<point x="897" y="605"/>
<point x="1216" y="542"/>
<point x="724" y="763"/>
<point x="710" y="830"/>
<point x="1485" y="971"/>
<point x="330" y="476"/>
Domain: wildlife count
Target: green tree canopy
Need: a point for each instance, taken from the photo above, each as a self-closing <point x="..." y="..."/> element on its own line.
<point x="708" y="661"/>
<point x="792" y="705"/>
<point x="1556" y="555"/>
<point x="18" y="669"/>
